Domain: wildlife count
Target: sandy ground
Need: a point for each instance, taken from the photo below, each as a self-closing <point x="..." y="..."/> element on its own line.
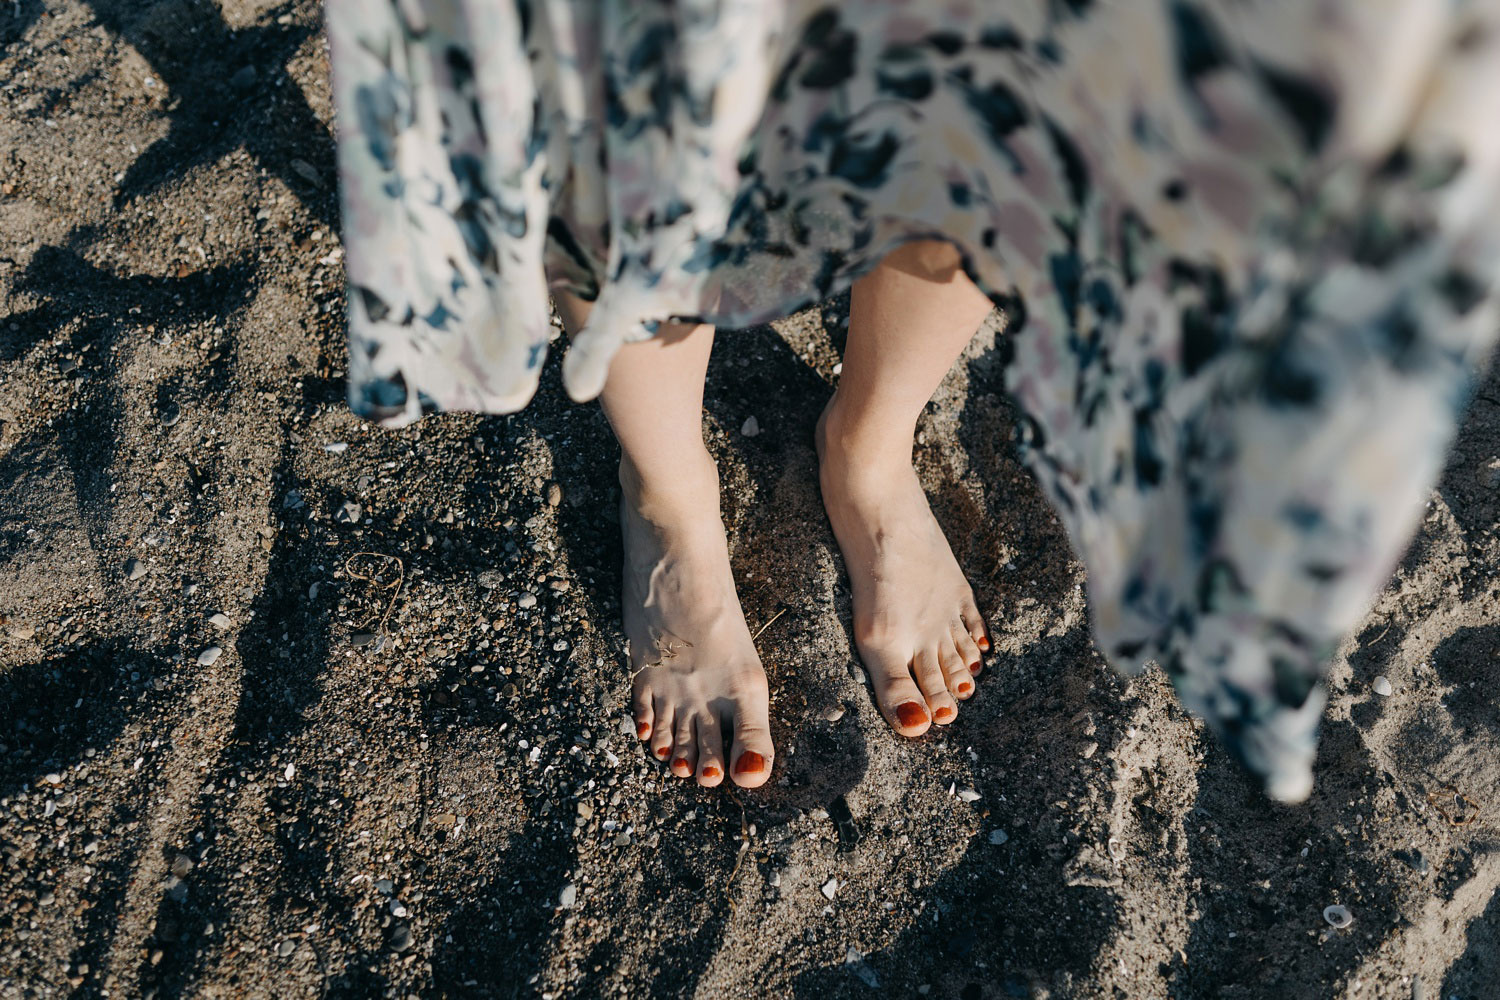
<point x="446" y="804"/>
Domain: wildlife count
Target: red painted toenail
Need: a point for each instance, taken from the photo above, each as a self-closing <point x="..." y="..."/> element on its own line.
<point x="750" y="762"/>
<point x="643" y="730"/>
<point x="680" y="762"/>
<point x="944" y="714"/>
<point x="662" y="752"/>
<point x="974" y="667"/>
<point x="911" y="714"/>
<point x="984" y="643"/>
<point x="965" y="688"/>
<point x="710" y="771"/>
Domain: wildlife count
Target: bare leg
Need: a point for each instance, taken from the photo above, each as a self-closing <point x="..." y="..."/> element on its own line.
<point x="915" y="621"/>
<point x="698" y="676"/>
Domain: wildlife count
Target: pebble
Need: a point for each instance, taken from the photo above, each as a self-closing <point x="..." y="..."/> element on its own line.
<point x="554" y="494"/>
<point x="1337" y="916"/>
<point x="361" y="638"/>
<point x="526" y="600"/>
<point x="220" y="621"/>
<point x="349" y="513"/>
<point x="181" y="865"/>
<point x="134" y="569"/>
<point x="398" y="908"/>
<point x="51" y="778"/>
<point x="243" y="78"/>
<point x="855" y="962"/>
<point x="830" y="887"/>
<point x="400" y="937"/>
<point x="22" y="632"/>
<point x="1382" y="686"/>
<point x="750" y="428"/>
<point x="998" y="837"/>
<point x="568" y="896"/>
<point x="385" y="886"/>
<point x="290" y="772"/>
<point x="208" y="657"/>
<point x="585" y="810"/>
<point x="1089" y="749"/>
<point x="491" y="579"/>
<point x="834" y="714"/>
<point x="968" y="795"/>
<point x="170" y="415"/>
<point x="286" y="948"/>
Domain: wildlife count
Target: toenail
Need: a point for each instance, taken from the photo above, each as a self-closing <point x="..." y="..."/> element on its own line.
<point x="643" y="730"/>
<point x="944" y="714"/>
<point x="680" y="762"/>
<point x="710" y="771"/>
<point x="750" y="762"/>
<point x="662" y="752"/>
<point x="965" y="687"/>
<point x="974" y="667"/>
<point x="983" y="642"/>
<point x="911" y="714"/>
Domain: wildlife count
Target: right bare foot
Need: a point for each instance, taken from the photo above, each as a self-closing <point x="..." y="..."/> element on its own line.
<point x="698" y="677"/>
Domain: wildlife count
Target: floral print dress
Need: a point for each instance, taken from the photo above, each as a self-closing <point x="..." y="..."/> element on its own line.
<point x="1249" y="252"/>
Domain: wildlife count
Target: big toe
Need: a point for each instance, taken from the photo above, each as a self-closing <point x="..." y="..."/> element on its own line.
<point x="752" y="752"/>
<point x="901" y="701"/>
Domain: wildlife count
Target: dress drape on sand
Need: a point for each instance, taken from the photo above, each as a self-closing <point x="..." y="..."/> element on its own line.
<point x="1249" y="251"/>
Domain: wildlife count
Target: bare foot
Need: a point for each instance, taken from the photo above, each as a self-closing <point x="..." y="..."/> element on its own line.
<point x="698" y="679"/>
<point x="916" y="625"/>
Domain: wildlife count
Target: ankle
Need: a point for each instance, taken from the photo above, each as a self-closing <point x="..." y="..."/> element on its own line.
<point x="688" y="488"/>
<point x="866" y="439"/>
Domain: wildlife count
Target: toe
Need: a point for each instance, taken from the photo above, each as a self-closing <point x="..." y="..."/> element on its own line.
<point x="710" y="750"/>
<point x="931" y="678"/>
<point x="974" y="624"/>
<point x="661" y="728"/>
<point x="901" y="701"/>
<point x="684" y="756"/>
<point x="968" y="649"/>
<point x="752" y="753"/>
<point x="955" y="671"/>
<point x="641" y="707"/>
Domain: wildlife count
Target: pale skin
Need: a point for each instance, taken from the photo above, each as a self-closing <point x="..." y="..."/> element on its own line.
<point x="700" y="696"/>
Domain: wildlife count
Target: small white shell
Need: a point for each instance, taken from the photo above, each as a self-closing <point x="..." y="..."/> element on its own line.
<point x="1337" y="916"/>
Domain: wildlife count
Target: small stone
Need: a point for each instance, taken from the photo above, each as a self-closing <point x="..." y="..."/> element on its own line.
<point x="385" y="886"/>
<point x="491" y="579"/>
<point x="1089" y="749"/>
<point x="622" y="840"/>
<point x="361" y="638"/>
<point x="585" y="810"/>
<point x="398" y="908"/>
<point x="134" y="569"/>
<point x="220" y="621"/>
<point x="290" y="772"/>
<point x="998" y="837"/>
<point x="568" y="896"/>
<point x="750" y="428"/>
<point x="181" y="865"/>
<point x="400" y="937"/>
<point x="47" y="898"/>
<point x="22" y="632"/>
<point x="286" y="948"/>
<point x="968" y="795"/>
<point x="51" y="778"/>
<point x="349" y="513"/>
<point x="829" y="888"/>
<point x="855" y="962"/>
<point x="1338" y="917"/>
<point x="243" y="78"/>
<point x="834" y="714"/>
<point x="209" y="656"/>
<point x="526" y="600"/>
<point x="170" y="414"/>
<point x="1382" y="686"/>
<point x="554" y="494"/>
